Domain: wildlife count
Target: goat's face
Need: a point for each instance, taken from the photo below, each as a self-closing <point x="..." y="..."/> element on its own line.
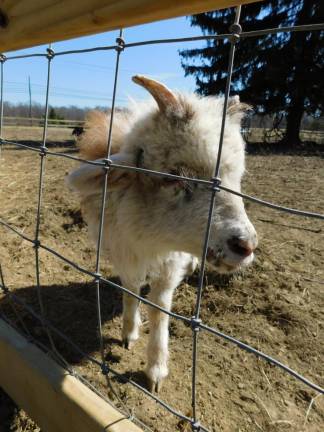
<point x="182" y="138"/>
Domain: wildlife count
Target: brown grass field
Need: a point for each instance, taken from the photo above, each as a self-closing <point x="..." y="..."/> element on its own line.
<point x="276" y="305"/>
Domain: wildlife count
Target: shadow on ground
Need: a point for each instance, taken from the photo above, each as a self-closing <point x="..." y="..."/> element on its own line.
<point x="276" y="148"/>
<point x="71" y="308"/>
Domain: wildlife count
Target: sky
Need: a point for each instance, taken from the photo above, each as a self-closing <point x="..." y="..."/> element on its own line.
<point x="86" y="80"/>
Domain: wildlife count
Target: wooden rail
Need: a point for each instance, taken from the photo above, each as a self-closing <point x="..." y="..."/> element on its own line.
<point x="54" y="399"/>
<point x="24" y="23"/>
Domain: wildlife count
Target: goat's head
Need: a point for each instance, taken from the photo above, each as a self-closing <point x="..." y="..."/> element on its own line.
<point x="181" y="137"/>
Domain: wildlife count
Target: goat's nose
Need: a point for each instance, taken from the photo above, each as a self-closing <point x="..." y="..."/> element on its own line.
<point x="241" y="247"/>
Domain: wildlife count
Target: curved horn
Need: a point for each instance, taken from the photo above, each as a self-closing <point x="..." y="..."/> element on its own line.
<point x="163" y="96"/>
<point x="237" y="108"/>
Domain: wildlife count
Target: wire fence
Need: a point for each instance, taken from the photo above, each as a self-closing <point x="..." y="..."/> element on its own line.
<point x="214" y="185"/>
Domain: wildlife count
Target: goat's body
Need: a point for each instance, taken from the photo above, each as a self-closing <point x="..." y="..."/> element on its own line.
<point x="138" y="256"/>
<point x="130" y="250"/>
<point x="154" y="228"/>
<point x="138" y="261"/>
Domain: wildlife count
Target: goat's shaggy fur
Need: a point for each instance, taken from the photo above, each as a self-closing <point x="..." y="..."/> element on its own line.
<point x="154" y="227"/>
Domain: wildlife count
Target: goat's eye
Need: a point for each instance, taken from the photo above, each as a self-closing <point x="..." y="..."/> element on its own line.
<point x="170" y="179"/>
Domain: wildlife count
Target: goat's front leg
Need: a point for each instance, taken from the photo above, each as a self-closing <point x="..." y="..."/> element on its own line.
<point x="157" y="353"/>
<point x="163" y="284"/>
<point x="131" y="316"/>
<point x="172" y="271"/>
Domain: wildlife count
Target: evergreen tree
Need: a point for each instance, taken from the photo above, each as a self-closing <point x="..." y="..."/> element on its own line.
<point x="279" y="74"/>
<point x="54" y="115"/>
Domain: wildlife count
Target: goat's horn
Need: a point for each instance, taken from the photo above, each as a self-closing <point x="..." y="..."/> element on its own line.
<point x="236" y="107"/>
<point x="163" y="96"/>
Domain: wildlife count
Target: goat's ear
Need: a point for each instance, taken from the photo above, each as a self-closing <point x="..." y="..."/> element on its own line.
<point x="88" y="179"/>
<point x="237" y="109"/>
<point x="164" y="97"/>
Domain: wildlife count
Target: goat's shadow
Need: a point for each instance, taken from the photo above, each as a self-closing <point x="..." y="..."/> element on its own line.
<point x="303" y="149"/>
<point x="71" y="308"/>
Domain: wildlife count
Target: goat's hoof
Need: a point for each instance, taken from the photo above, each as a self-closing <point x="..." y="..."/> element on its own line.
<point x="154" y="386"/>
<point x="128" y="344"/>
<point x="155" y="375"/>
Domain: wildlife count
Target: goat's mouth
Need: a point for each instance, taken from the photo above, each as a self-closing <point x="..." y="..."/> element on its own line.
<point x="221" y="263"/>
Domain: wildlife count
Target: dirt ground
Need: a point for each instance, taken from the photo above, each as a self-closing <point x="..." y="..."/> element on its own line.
<point x="276" y="305"/>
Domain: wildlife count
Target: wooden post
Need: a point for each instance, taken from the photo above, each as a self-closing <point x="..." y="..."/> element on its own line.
<point x="24" y="23"/>
<point x="54" y="399"/>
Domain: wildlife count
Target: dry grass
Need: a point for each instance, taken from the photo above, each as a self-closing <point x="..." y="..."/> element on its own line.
<point x="276" y="305"/>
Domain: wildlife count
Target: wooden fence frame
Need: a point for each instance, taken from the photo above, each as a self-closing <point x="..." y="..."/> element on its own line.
<point x="25" y="23"/>
<point x="33" y="380"/>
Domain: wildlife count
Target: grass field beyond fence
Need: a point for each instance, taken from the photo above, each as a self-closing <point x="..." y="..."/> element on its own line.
<point x="25" y="129"/>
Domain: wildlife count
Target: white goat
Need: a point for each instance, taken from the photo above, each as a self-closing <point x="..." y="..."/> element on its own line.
<point x="154" y="227"/>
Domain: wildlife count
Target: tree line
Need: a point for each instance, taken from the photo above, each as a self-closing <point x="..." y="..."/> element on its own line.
<point x="280" y="75"/>
<point x="71" y="112"/>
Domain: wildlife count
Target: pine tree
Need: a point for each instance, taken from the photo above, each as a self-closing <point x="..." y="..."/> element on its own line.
<point x="276" y="74"/>
<point x="54" y="115"/>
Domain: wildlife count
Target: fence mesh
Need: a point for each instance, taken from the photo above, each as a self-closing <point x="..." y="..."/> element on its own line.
<point x="235" y="36"/>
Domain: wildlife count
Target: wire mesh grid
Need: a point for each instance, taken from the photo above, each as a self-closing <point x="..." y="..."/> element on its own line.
<point x="234" y="36"/>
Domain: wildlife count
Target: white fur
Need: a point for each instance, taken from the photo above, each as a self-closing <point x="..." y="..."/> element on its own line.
<point x="155" y="229"/>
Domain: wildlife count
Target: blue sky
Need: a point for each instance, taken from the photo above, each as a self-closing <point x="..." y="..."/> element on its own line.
<point x="86" y="79"/>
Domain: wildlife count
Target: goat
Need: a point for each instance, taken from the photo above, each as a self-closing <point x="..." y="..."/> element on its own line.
<point x="77" y="131"/>
<point x="155" y="226"/>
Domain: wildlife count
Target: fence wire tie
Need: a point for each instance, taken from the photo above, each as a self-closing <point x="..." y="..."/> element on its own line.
<point x="120" y="44"/>
<point x="195" y="324"/>
<point x="50" y="54"/>
<point x="217" y="181"/>
<point x="107" y="164"/>
<point x="236" y="31"/>
<point x="43" y="151"/>
<point x="97" y="276"/>
<point x="105" y="369"/>
<point x="196" y="426"/>
<point x="3" y="58"/>
<point x="36" y="244"/>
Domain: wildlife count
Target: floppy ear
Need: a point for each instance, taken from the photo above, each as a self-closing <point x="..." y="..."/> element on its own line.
<point x="163" y="96"/>
<point x="237" y="109"/>
<point x="88" y="179"/>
